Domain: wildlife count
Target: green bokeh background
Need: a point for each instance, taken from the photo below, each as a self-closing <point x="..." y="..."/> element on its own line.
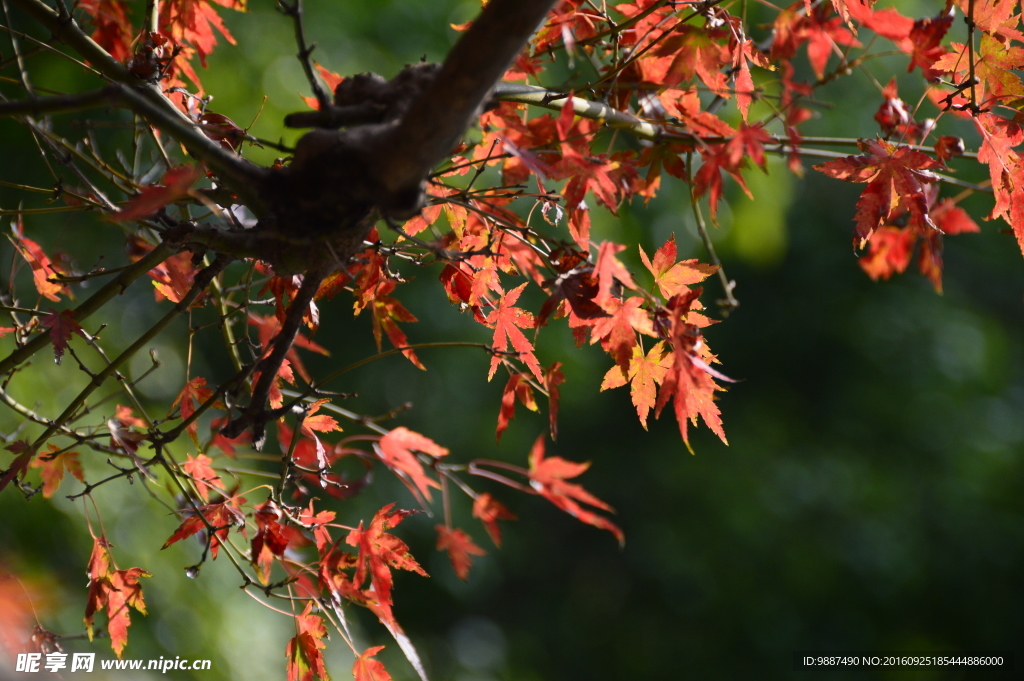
<point x="870" y="498"/>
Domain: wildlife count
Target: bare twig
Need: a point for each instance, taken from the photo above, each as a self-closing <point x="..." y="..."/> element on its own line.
<point x="256" y="415"/>
<point x="147" y="100"/>
<point x="201" y="281"/>
<point x="294" y="10"/>
<point x="729" y="303"/>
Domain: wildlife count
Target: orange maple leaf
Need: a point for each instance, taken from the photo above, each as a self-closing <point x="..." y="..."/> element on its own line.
<point x="671" y="277"/>
<point x="689" y="382"/>
<point x="203" y="475"/>
<point x="617" y="332"/>
<point x="53" y="466"/>
<point x="173" y="278"/>
<point x="644" y="374"/>
<point x="387" y="312"/>
<point x="43" y="268"/>
<point x="194" y="394"/>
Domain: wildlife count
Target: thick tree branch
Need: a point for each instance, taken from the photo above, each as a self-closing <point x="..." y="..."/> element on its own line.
<point x="436" y="121"/>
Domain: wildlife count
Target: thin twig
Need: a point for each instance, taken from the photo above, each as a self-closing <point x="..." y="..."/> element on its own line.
<point x="112" y="288"/>
<point x="201" y="281"/>
<point x="729" y="303"/>
<point x="294" y="10"/>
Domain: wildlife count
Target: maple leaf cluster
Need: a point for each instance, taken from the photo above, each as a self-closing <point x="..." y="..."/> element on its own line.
<point x="676" y="93"/>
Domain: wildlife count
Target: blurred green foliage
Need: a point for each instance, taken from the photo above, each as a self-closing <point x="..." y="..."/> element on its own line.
<point x="871" y="497"/>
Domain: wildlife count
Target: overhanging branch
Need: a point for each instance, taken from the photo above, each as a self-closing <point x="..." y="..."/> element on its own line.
<point x="148" y="101"/>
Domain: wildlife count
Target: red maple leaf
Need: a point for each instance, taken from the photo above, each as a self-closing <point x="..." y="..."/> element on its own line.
<point x="548" y="476"/>
<point x="387" y="312"/>
<point x="891" y="247"/>
<point x="19" y="466"/>
<point x="310" y="455"/>
<point x="926" y="40"/>
<point x="305" y="651"/>
<point x="113" y="29"/>
<point x="519" y="389"/>
<point x="895" y="176"/>
<point x="506" y="320"/>
<point x="267" y="329"/>
<point x="221" y="516"/>
<point x="122" y="437"/>
<point x="578" y="286"/>
<point x="749" y="142"/>
<point x="553" y="378"/>
<point x="378" y="553"/>
<point x="1006" y="168"/>
<point x="272" y="538"/>
<point x="53" y="466"/>
<point x="460" y="548"/>
<point x="43" y="268"/>
<point x="586" y="171"/>
<point x="321" y="423"/>
<point x="819" y="28"/>
<point x="61" y="325"/>
<point x="618" y="331"/>
<point x="194" y="394"/>
<point x="689" y="382"/>
<point x="317" y="521"/>
<point x="225" y="444"/>
<point x="396" y="450"/>
<point x="708" y="179"/>
<point x="176" y="183"/>
<point x="365" y="668"/>
<point x="489" y="510"/>
<point x="608" y="270"/>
